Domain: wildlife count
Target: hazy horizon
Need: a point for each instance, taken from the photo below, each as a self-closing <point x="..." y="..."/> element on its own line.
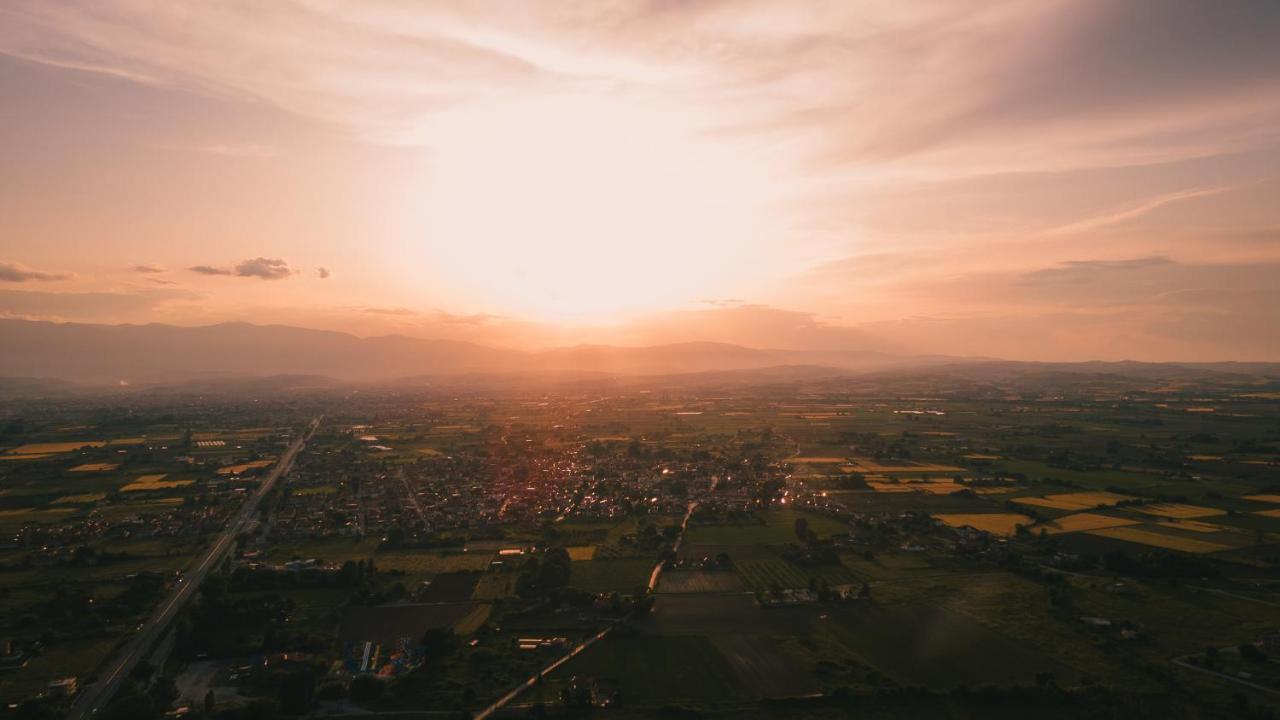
<point x="1054" y="181"/>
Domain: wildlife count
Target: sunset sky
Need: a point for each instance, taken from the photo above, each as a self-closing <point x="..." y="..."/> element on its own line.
<point x="1024" y="179"/>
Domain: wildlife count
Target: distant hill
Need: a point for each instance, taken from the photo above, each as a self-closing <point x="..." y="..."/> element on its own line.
<point x="155" y="353"/>
<point x="47" y="358"/>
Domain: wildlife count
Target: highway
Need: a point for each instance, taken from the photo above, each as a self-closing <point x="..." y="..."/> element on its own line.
<point x="94" y="697"/>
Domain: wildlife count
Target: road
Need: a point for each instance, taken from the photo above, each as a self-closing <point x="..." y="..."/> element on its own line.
<point x="93" y="698"/>
<point x="533" y="679"/>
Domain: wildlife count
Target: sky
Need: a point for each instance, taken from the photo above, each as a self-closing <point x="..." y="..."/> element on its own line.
<point x="1030" y="180"/>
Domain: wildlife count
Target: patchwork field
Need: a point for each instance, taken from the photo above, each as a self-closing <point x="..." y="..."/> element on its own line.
<point x="50" y="448"/>
<point x="154" y="482"/>
<point x="1177" y="510"/>
<point x="1075" y="501"/>
<point x="94" y="467"/>
<point x="995" y="523"/>
<point x="1080" y="522"/>
<point x="1160" y="540"/>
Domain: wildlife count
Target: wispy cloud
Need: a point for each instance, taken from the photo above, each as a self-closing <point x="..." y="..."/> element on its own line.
<point x="12" y="272"/>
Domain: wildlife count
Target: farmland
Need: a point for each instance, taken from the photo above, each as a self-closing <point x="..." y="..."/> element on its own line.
<point x="841" y="544"/>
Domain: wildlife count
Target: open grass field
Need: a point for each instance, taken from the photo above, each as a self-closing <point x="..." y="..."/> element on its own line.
<point x="334" y="550"/>
<point x="623" y="575"/>
<point x="474" y="618"/>
<point x="421" y="562"/>
<point x="71" y="656"/>
<point x="699" y="581"/>
<point x="1080" y="522"/>
<point x="995" y="523"/>
<point x="775" y="527"/>
<point x="94" y="467"/>
<point x="1266" y="498"/>
<point x="1160" y="540"/>
<point x="11" y="520"/>
<point x="761" y="574"/>
<point x="495" y="585"/>
<point x="1178" y="510"/>
<point x="655" y="670"/>
<point x="1074" y="501"/>
<point x="388" y="623"/>
<point x="82" y="499"/>
<point x="50" y="448"/>
<point x="923" y="645"/>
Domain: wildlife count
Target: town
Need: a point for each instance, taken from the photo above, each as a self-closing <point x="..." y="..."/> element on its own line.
<point x="1076" y="545"/>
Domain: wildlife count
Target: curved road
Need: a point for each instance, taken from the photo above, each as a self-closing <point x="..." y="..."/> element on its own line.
<point x="94" y="697"/>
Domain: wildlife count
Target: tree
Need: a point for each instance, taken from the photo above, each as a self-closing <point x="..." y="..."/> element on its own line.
<point x="366" y="688"/>
<point x="297" y="691"/>
<point x="438" y="643"/>
<point x="802" y="529"/>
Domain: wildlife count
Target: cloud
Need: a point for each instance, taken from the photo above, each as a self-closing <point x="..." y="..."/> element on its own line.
<point x="264" y="268"/>
<point x="390" y="311"/>
<point x="323" y="273"/>
<point x="147" y="269"/>
<point x="1132" y="211"/>
<point x="1079" y="271"/>
<point x="12" y="272"/>
<point x="209" y="270"/>
<point x="259" y="267"/>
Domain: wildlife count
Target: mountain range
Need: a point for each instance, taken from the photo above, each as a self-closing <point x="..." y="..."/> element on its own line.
<point x="47" y="356"/>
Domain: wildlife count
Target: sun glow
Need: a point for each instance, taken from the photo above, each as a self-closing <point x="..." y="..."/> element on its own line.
<point x="578" y="209"/>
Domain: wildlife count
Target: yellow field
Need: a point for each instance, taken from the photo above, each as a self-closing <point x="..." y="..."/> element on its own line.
<point x="237" y="469"/>
<point x="819" y="460"/>
<point x="128" y="441"/>
<point x="94" y="467"/>
<point x="888" y="487"/>
<point x="1178" y="510"/>
<point x="153" y="482"/>
<point x="1155" y="539"/>
<point x="79" y="499"/>
<point x="976" y="456"/>
<point x="1074" y="501"/>
<point x="872" y="466"/>
<point x="994" y="523"/>
<point x="55" y="447"/>
<point x="1080" y="522"/>
<point x="1193" y="526"/>
<point x="1204" y="458"/>
<point x="1264" y="498"/>
<point x="582" y="552"/>
<point x="1268" y="513"/>
<point x="26" y="457"/>
<point x="937" y="488"/>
